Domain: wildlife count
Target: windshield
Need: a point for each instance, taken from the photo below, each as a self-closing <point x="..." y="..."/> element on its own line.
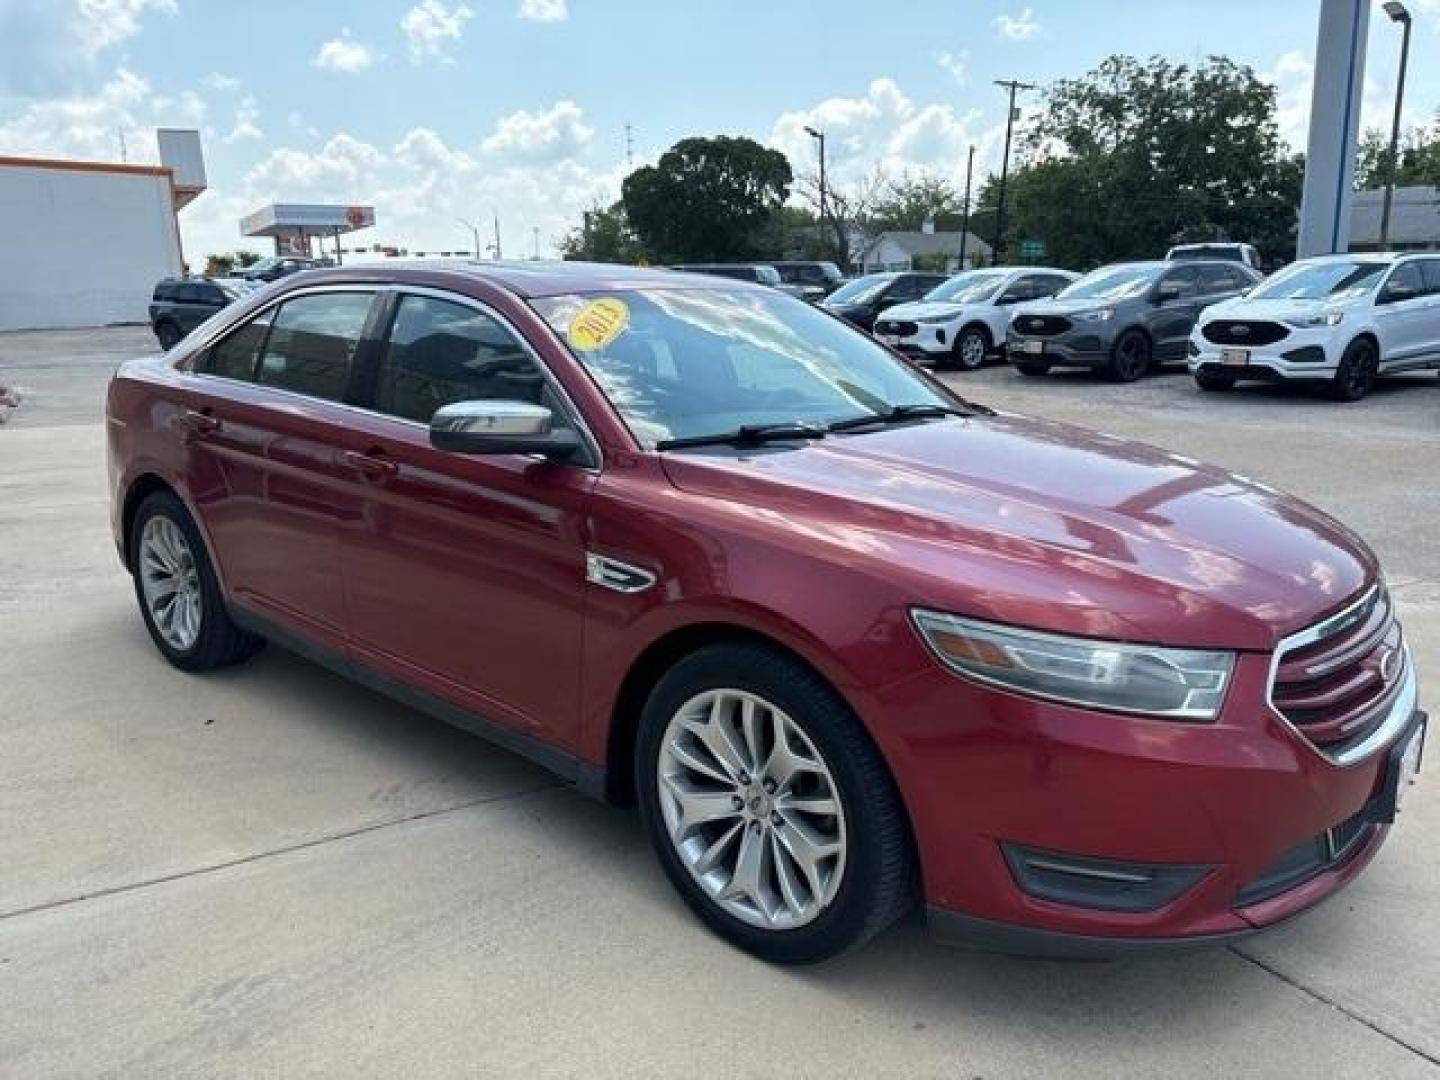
<point x="862" y="290"/>
<point x="1112" y="283"/>
<point x="1339" y="279"/>
<point x="969" y="288"/>
<point x="262" y="266"/>
<point x="679" y="363"/>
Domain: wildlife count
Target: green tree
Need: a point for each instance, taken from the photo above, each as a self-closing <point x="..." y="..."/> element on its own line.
<point x="1419" y="154"/>
<point x="707" y="199"/>
<point x="605" y="236"/>
<point x="907" y="203"/>
<point x="1137" y="155"/>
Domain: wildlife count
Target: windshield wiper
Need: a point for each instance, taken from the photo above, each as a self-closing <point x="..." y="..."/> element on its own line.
<point x="898" y="414"/>
<point x="747" y="435"/>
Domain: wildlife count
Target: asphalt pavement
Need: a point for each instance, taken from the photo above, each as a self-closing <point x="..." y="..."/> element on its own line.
<point x="271" y="872"/>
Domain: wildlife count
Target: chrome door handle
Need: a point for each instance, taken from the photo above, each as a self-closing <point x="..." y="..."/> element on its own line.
<point x="372" y="465"/>
<point x="201" y="423"/>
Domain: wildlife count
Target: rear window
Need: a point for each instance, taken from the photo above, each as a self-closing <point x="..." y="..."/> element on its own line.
<point x="164" y="292"/>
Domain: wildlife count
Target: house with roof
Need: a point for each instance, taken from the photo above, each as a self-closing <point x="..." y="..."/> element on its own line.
<point x="1414" y="219"/>
<point x="924" y="249"/>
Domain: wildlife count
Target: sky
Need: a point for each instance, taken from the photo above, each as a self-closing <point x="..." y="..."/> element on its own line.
<point x="437" y="110"/>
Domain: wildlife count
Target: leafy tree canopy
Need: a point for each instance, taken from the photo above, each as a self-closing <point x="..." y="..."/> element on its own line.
<point x="707" y="199"/>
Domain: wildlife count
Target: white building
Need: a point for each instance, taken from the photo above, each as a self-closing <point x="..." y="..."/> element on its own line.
<point x="1414" y="219"/>
<point x="898" y="251"/>
<point x="84" y="242"/>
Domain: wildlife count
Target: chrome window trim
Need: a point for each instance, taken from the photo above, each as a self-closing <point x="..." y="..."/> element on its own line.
<point x="1401" y="702"/>
<point x="592" y="445"/>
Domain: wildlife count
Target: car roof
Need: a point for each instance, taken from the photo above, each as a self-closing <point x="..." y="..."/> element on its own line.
<point x="525" y="279"/>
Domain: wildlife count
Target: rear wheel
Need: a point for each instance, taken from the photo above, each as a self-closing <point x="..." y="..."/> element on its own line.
<point x="971" y="348"/>
<point x="179" y="595"/>
<point x="168" y="334"/>
<point x="1356" y="374"/>
<point x="769" y="808"/>
<point x="1130" y="358"/>
<point x="1214" y="380"/>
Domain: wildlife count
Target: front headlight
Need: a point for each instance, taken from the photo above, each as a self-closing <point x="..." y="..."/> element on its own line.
<point x="1323" y="318"/>
<point x="1103" y="315"/>
<point x="1177" y="684"/>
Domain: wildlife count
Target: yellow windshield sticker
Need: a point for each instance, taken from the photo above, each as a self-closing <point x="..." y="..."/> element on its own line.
<point x="598" y="323"/>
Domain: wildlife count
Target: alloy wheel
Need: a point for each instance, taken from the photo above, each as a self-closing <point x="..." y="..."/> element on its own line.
<point x="972" y="350"/>
<point x="1131" y="357"/>
<point x="751" y="809"/>
<point x="170" y="583"/>
<point x="1360" y="372"/>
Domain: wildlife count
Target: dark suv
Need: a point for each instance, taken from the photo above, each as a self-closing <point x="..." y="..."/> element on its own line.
<point x="277" y="266"/>
<point x="815" y="280"/>
<point x="178" y="305"/>
<point x="1122" y="319"/>
<point x="861" y="300"/>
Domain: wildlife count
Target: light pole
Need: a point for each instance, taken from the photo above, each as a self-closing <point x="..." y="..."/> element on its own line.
<point x="1397" y="12"/>
<point x="474" y="234"/>
<point x="998" y="248"/>
<point x="965" y="221"/>
<point x="819" y="136"/>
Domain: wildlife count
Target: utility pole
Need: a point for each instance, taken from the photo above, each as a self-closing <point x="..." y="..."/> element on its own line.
<point x="535" y="231"/>
<point x="629" y="145"/>
<point x="819" y="136"/>
<point x="1398" y="13"/>
<point x="496" y="246"/>
<point x="965" y="218"/>
<point x="474" y="233"/>
<point x="121" y="132"/>
<point x="1013" y="86"/>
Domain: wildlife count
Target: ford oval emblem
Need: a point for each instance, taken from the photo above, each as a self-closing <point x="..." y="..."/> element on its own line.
<point x="1240" y="330"/>
<point x="1035" y="324"/>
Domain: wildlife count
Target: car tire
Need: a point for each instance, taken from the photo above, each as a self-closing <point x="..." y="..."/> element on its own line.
<point x="1130" y="357"/>
<point x="971" y="348"/>
<point x="1030" y="367"/>
<point x="783" y="910"/>
<point x="1357" y="371"/>
<point x="1216" y="381"/>
<point x="168" y="334"/>
<point x="179" y="595"/>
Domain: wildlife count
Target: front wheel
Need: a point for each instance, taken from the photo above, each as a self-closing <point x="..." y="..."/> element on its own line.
<point x="1357" y="371"/>
<point x="1130" y="358"/>
<point x="769" y="808"/>
<point x="971" y="348"/>
<point x="168" y="334"/>
<point x="1214" y="380"/>
<point x="179" y="595"/>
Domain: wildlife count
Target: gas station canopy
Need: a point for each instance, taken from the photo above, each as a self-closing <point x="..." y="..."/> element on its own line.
<point x="293" y="224"/>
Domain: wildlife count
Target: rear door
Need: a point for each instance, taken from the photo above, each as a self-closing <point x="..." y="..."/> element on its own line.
<point x="465" y="574"/>
<point x="264" y="462"/>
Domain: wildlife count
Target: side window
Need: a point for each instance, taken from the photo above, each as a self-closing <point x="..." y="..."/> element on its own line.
<point x="1430" y="270"/>
<point x="233" y="356"/>
<point x="907" y="287"/>
<point x="311" y="343"/>
<point x="1406" y="281"/>
<point x="1051" y="284"/>
<point x="441" y="352"/>
<point x="1184" y="280"/>
<point x="1217" y="279"/>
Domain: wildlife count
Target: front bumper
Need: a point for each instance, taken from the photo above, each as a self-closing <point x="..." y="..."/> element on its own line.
<point x="1086" y="346"/>
<point x="1310" y="353"/>
<point x="929" y="342"/>
<point x="984" y="771"/>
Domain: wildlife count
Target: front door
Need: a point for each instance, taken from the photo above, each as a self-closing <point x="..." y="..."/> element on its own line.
<point x="465" y="575"/>
<point x="1404" y="316"/>
<point x="1174" y="318"/>
<point x="263" y="464"/>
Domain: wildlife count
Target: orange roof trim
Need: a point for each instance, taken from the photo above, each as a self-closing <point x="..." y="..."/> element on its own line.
<point x="86" y="166"/>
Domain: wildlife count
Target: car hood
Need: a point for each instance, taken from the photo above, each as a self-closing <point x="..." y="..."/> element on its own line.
<point x="1045" y="525"/>
<point x="1067" y="307"/>
<point x="925" y="309"/>
<point x="1243" y="307"/>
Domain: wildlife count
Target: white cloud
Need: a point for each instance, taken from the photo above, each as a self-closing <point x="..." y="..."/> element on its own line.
<point x="430" y="26"/>
<point x="558" y="132"/>
<point x="343" y="54"/>
<point x="544" y="10"/>
<point x="91" y="125"/>
<point x="245" y="129"/>
<point x="219" y="81"/>
<point x="957" y="64"/>
<point x="1293" y="77"/>
<point x="1017" y="27"/>
<point x="51" y="45"/>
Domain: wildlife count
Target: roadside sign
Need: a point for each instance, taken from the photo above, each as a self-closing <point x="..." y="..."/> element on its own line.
<point x="1032" y="249"/>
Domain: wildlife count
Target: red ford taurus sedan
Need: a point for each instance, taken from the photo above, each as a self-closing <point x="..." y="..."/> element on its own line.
<point x="851" y="642"/>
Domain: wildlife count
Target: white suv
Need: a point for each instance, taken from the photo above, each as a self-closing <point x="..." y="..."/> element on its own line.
<point x="962" y="320"/>
<point x="1342" y="320"/>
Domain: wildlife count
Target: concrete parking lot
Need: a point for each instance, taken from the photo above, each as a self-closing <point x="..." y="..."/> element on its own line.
<point x="271" y="872"/>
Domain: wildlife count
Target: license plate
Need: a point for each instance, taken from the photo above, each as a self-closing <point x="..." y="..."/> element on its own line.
<point x="1409" y="765"/>
<point x="1235" y="357"/>
<point x="1034" y="346"/>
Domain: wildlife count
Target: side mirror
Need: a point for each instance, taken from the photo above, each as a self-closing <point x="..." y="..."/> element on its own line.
<point x="1398" y="291"/>
<point x="500" y="427"/>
